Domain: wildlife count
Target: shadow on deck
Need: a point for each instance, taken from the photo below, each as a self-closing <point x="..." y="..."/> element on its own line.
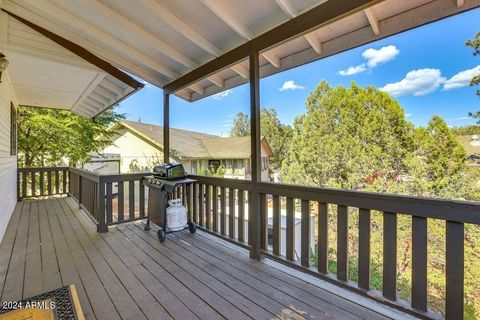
<point x="127" y="274"/>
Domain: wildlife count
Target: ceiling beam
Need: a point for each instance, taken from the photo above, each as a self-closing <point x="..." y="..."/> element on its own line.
<point x="272" y="58"/>
<point x="184" y="94"/>
<point x="180" y="26"/>
<point x="139" y="32"/>
<point x="373" y="20"/>
<point x="288" y="8"/>
<point x="197" y="88"/>
<point x="314" y="42"/>
<point x="320" y="15"/>
<point x="82" y="53"/>
<point x="219" y="9"/>
<point x="85" y="29"/>
<point x="217" y="80"/>
<point x="241" y="70"/>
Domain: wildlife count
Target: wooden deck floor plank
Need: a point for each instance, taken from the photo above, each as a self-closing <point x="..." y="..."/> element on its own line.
<point x="8" y="243"/>
<point x="263" y="301"/>
<point x="144" y="300"/>
<point x="299" y="284"/>
<point x="33" y="283"/>
<point x="280" y="297"/>
<point x="68" y="270"/>
<point x="124" y="303"/>
<point x="13" y="288"/>
<point x="236" y="299"/>
<point x="50" y="270"/>
<point x="242" y="268"/>
<point x="165" y="280"/>
<point x="101" y="303"/>
<point x="216" y="301"/>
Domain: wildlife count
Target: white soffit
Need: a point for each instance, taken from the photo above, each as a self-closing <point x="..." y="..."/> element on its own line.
<point x="44" y="74"/>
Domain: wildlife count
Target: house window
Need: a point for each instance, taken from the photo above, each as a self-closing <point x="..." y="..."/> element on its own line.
<point x="238" y="166"/>
<point x="228" y="166"/>
<point x="194" y="167"/>
<point x="13" y="130"/>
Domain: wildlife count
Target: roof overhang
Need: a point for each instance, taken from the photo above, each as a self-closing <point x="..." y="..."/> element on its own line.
<point x="49" y="71"/>
<point x="194" y="49"/>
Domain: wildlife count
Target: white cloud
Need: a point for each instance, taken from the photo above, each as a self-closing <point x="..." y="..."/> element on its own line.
<point x="461" y="79"/>
<point x="290" y="85"/>
<point x="461" y="119"/>
<point x="375" y="57"/>
<point x="353" y="70"/>
<point x="417" y="83"/>
<point x="223" y="94"/>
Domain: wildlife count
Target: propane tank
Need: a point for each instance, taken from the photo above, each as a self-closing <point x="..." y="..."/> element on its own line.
<point x="176" y="215"/>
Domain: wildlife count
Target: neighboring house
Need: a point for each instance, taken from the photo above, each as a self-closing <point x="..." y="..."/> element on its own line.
<point x="471" y="144"/>
<point x="140" y="146"/>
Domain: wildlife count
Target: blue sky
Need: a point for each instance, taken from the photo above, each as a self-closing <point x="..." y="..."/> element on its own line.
<point x="426" y="69"/>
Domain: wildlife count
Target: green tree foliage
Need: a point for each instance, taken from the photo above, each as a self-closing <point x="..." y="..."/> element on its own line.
<point x="241" y="125"/>
<point x="277" y="134"/>
<point x="466" y="130"/>
<point x="475" y="45"/>
<point x="47" y="136"/>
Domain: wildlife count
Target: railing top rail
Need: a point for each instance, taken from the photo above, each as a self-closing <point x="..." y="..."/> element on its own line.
<point x="42" y="169"/>
<point x="224" y="182"/>
<point x="451" y="210"/>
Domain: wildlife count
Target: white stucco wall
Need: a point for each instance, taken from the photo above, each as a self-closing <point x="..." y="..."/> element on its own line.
<point x="8" y="163"/>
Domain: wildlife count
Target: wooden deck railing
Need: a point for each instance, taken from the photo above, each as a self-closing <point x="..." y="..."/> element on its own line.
<point x="38" y="182"/>
<point x="218" y="206"/>
<point x="109" y="199"/>
<point x="221" y="207"/>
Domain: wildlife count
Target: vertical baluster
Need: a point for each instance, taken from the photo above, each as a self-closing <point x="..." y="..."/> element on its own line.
<point x="49" y="182"/>
<point x="277" y="230"/>
<point x="57" y="182"/>
<point x="24" y="184"/>
<point x="102" y="226"/>
<point x="141" y="198"/>
<point x="364" y="249"/>
<point x="120" y="200"/>
<point x="455" y="270"/>
<point x="34" y="191"/>
<point x="195" y="203"/>
<point x="231" y="213"/>
<point x="419" y="263"/>
<point x="290" y="245"/>
<point x="109" y="203"/>
<point x="215" y="209"/>
<point x="264" y="222"/>
<point x="241" y="215"/>
<point x="342" y="243"/>
<point x="201" y="204"/>
<point x="322" y="250"/>
<point x="131" y="199"/>
<point x="41" y="182"/>
<point x="189" y="199"/>
<point x="64" y="182"/>
<point x="208" y="209"/>
<point x="390" y="255"/>
<point x="306" y="234"/>
<point x="223" y="216"/>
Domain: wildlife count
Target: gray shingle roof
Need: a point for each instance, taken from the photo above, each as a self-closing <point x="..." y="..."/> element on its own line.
<point x="191" y="144"/>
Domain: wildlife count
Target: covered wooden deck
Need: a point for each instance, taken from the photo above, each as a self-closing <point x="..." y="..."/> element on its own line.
<point x="127" y="274"/>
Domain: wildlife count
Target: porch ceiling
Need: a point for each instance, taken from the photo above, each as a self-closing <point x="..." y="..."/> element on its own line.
<point x="163" y="41"/>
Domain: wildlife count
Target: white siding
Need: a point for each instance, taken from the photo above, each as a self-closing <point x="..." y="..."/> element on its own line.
<point x="135" y="153"/>
<point x="8" y="163"/>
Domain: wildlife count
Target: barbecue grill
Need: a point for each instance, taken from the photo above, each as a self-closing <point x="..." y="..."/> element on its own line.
<point x="161" y="184"/>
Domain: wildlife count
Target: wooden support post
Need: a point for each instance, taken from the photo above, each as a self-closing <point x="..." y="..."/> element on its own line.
<point x="166" y="127"/>
<point x="255" y="218"/>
